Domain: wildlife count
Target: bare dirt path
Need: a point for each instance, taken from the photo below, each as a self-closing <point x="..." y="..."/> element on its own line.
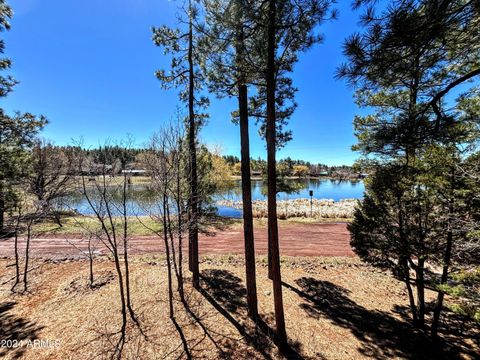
<point x="295" y="240"/>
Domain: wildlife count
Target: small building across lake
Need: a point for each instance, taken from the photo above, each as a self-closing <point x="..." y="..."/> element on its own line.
<point x="135" y="172"/>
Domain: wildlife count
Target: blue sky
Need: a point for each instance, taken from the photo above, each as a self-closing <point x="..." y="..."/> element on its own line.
<point x="89" y="65"/>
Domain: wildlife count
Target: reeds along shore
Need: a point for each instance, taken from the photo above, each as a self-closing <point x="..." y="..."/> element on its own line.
<point x="317" y="208"/>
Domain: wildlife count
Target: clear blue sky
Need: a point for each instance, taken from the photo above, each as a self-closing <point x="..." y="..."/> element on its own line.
<point x="88" y="65"/>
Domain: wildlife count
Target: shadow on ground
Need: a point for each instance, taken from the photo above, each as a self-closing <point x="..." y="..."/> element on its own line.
<point x="382" y="335"/>
<point x="14" y="331"/>
<point x="224" y="290"/>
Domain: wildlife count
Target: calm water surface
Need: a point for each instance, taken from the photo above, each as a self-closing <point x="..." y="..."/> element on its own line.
<point x="143" y="201"/>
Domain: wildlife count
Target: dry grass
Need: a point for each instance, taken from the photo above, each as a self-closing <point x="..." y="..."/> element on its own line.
<point x="318" y="209"/>
<point x="74" y="225"/>
<point x="336" y="308"/>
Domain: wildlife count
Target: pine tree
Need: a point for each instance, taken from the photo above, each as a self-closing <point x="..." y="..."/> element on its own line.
<point x="184" y="73"/>
<point x="17" y="132"/>
<point x="227" y="33"/>
<point x="402" y="67"/>
<point x="289" y="29"/>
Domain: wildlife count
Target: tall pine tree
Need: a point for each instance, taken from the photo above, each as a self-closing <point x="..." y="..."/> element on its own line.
<point x="184" y="73"/>
<point x="17" y="132"/>
<point x="404" y="64"/>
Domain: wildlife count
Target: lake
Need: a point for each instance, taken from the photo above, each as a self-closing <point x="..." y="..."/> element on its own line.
<point x="143" y="201"/>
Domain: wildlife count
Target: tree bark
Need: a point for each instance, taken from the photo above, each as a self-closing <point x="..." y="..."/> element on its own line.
<point x="404" y="262"/>
<point x="57" y="217"/>
<point x="172" y="240"/>
<point x="272" y="178"/>
<point x="125" y="252"/>
<point x="180" y="226"/>
<point x="17" y="261"/>
<point x="167" y="254"/>
<point x="119" y="347"/>
<point x="193" y="198"/>
<point x="27" y="255"/>
<point x="2" y="207"/>
<point x="248" y="234"/>
<point x="90" y="260"/>
<point x="446" y="263"/>
<point x="411" y="298"/>
<point x="247" y="205"/>
<point x="420" y="281"/>
<point x="439" y="304"/>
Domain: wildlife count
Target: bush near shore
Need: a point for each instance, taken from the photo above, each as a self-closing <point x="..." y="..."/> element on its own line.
<point x="294" y="208"/>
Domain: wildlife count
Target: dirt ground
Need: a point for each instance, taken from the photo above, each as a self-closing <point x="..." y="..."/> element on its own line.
<point x="335" y="308"/>
<point x="317" y="239"/>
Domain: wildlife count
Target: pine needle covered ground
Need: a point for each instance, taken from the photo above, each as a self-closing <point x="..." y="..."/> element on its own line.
<point x="336" y="308"/>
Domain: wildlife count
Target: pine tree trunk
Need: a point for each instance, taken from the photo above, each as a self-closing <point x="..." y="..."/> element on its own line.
<point x="269" y="253"/>
<point x="248" y="234"/>
<point x="439" y="304"/>
<point x="446" y="262"/>
<point x="193" y="198"/>
<point x="411" y="298"/>
<point x="404" y="263"/>
<point x="2" y="207"/>
<point x="420" y="281"/>
<point x="272" y="179"/>
<point x="247" y="204"/>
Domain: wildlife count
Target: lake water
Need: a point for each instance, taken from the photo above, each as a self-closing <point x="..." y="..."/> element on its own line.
<point x="297" y="189"/>
<point x="143" y="201"/>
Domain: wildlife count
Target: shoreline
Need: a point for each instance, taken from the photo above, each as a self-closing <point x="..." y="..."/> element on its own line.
<point x="260" y="178"/>
<point x="146" y="180"/>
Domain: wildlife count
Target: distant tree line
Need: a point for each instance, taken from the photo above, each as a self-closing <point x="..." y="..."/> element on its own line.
<point x="289" y="167"/>
<point x="118" y="157"/>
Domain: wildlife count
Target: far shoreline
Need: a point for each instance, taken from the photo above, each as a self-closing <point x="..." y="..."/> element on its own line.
<point x="260" y="178"/>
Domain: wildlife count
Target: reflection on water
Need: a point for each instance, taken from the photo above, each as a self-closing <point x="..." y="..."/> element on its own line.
<point x="144" y="201"/>
<point x="299" y="188"/>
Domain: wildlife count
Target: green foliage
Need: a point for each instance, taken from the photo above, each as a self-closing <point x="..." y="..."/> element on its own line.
<point x="235" y="52"/>
<point x="416" y="207"/>
<point x="404" y="74"/>
<point x="109" y="154"/>
<point x="17" y="136"/>
<point x="17" y="132"/>
<point x="209" y="178"/>
<point x="6" y="82"/>
<point x="177" y="45"/>
<point x="465" y="291"/>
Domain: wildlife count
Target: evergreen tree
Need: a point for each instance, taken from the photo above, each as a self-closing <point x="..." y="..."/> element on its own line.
<point x="17" y="132"/>
<point x="183" y="46"/>
<point x="402" y="67"/>
<point x="228" y="36"/>
<point x="288" y="29"/>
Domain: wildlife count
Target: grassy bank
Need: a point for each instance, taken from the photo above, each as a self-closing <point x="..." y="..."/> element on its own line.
<point x="75" y="225"/>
